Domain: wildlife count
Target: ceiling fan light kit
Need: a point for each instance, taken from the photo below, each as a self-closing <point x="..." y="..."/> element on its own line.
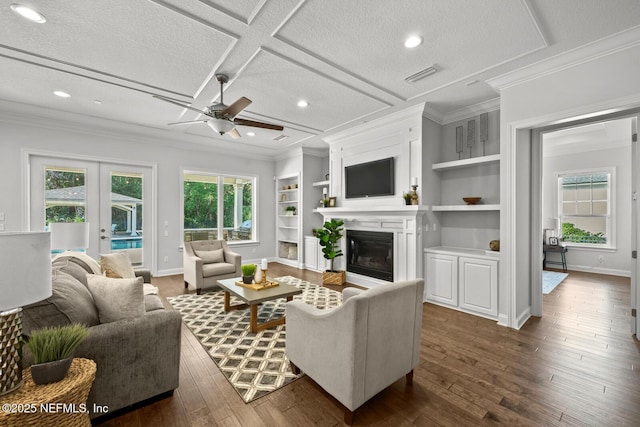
<point x="220" y="117"/>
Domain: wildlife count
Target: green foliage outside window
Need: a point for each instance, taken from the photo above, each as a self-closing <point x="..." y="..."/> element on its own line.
<point x="571" y="233"/>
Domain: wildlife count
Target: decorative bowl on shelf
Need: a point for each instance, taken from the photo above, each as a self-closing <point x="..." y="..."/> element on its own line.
<point x="471" y="200"/>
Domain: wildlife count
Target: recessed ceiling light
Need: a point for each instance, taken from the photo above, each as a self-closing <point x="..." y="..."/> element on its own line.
<point x="97" y="101"/>
<point x="251" y="133"/>
<point x="61" y="94"/>
<point x="28" y="13"/>
<point x="303" y="104"/>
<point x="413" y="41"/>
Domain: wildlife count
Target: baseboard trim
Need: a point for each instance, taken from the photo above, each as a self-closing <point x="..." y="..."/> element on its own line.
<point x="168" y="272"/>
<point x="523" y="317"/>
<point x="599" y="270"/>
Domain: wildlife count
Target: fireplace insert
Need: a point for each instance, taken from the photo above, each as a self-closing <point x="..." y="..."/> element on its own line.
<point x="370" y="253"/>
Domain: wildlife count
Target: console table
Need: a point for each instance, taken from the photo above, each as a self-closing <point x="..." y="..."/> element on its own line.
<point x="63" y="403"/>
<point x="562" y="250"/>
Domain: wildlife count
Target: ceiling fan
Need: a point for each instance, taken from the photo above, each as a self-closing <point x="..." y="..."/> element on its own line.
<point x="220" y="117"/>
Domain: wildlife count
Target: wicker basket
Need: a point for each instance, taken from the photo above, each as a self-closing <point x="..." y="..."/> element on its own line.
<point x="334" y="277"/>
<point x="70" y="396"/>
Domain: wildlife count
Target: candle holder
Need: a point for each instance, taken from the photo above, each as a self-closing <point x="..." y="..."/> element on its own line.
<point x="264" y="276"/>
<point x="414" y="195"/>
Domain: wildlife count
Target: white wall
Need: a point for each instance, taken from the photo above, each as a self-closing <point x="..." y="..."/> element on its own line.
<point x="615" y="261"/>
<point x="77" y="140"/>
<point x="606" y="83"/>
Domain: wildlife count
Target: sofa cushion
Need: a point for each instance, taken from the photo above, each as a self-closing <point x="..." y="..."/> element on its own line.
<point x="117" y="265"/>
<point x="117" y="299"/>
<point x="67" y="265"/>
<point x="209" y="270"/>
<point x="214" y="256"/>
<point x="70" y="302"/>
<point x="78" y="259"/>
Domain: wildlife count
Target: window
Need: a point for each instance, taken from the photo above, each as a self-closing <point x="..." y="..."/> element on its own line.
<point x="218" y="207"/>
<point x="585" y="208"/>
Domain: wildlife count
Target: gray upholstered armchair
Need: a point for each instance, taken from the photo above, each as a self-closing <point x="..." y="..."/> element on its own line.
<point x="207" y="261"/>
<point x="360" y="347"/>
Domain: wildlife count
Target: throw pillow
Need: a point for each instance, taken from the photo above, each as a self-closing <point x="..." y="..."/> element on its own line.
<point x="116" y="299"/>
<point x="117" y="266"/>
<point x="70" y="302"/>
<point x="209" y="257"/>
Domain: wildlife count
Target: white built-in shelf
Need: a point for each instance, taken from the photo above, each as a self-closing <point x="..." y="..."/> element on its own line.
<point x="474" y="161"/>
<point x="287" y="227"/>
<point x="449" y="250"/>
<point x="288" y="191"/>
<point x="320" y="184"/>
<point x="288" y="202"/>
<point x="449" y="208"/>
<point x="288" y="241"/>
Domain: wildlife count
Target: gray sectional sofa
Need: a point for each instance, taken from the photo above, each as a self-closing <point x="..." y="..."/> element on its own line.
<point x="137" y="358"/>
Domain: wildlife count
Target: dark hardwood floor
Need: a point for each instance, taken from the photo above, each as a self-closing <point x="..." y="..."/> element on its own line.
<point x="577" y="365"/>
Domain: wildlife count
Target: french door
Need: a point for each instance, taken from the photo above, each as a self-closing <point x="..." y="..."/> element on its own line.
<point x="113" y="198"/>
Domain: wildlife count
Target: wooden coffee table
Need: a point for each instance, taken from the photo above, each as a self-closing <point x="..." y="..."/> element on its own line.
<point x="253" y="298"/>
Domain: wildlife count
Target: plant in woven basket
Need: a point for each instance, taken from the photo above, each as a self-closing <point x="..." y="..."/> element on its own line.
<point x="52" y="348"/>
<point x="328" y="237"/>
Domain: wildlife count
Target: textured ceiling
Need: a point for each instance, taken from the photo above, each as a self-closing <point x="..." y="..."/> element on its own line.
<point x="346" y="58"/>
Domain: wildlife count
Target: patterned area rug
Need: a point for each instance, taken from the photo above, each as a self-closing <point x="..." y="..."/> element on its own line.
<point x="254" y="364"/>
<point x="551" y="279"/>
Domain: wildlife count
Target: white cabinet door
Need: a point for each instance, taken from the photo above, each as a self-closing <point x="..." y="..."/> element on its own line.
<point x="478" y="285"/>
<point x="442" y="278"/>
<point x="311" y="253"/>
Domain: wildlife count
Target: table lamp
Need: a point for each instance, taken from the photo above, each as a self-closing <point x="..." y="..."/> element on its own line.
<point x="69" y="235"/>
<point x="25" y="278"/>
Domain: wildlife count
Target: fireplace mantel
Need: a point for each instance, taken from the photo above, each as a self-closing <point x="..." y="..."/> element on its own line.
<point x="407" y="222"/>
<point x="387" y="210"/>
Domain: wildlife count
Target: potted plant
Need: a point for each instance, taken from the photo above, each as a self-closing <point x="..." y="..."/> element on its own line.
<point x="52" y="350"/>
<point x="407" y="198"/>
<point x="290" y="210"/>
<point x="328" y="237"/>
<point x="248" y="271"/>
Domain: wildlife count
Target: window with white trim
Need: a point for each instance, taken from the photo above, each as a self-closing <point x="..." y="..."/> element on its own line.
<point x="585" y="209"/>
<point x="218" y="207"/>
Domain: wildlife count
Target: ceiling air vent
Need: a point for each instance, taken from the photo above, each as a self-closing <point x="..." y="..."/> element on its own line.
<point x="280" y="138"/>
<point x="422" y="74"/>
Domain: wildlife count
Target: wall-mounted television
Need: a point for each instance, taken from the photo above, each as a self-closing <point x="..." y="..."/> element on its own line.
<point x="371" y="179"/>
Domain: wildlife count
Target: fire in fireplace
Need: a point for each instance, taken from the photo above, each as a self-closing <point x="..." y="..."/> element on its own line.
<point x="370" y="253"/>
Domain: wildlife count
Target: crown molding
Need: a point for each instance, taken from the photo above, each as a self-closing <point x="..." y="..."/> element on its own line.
<point x="606" y="46"/>
<point x="415" y="111"/>
<point x="33" y="116"/>
<point x="471" y="111"/>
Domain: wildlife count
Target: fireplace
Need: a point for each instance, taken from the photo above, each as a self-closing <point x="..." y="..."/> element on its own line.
<point x="370" y="253"/>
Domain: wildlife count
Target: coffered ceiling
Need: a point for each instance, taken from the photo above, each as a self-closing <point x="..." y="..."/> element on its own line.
<point x="345" y="58"/>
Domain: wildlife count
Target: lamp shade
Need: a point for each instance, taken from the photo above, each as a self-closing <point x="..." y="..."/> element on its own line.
<point x="25" y="268"/>
<point x="69" y="235"/>
<point x="551" y="223"/>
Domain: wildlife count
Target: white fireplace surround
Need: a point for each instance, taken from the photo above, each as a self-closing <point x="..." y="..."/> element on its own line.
<point x="407" y="224"/>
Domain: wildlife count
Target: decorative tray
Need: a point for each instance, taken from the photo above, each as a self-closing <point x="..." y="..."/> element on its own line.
<point x="258" y="286"/>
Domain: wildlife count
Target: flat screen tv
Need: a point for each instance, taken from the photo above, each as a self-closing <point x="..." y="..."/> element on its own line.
<point x="371" y="179"/>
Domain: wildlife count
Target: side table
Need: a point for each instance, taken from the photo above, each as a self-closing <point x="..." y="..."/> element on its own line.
<point x="562" y="250"/>
<point x="63" y="403"/>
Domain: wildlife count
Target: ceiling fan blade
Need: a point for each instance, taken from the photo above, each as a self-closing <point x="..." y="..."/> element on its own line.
<point x="245" y="122"/>
<point x="179" y="104"/>
<point x="189" y="122"/>
<point x="232" y="110"/>
<point x="233" y="133"/>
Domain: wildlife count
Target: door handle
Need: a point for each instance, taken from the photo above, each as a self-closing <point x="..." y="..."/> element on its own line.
<point x="103" y="237"/>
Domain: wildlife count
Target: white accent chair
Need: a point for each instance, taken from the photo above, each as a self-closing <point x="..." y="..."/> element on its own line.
<point x="361" y="347"/>
<point x="207" y="261"/>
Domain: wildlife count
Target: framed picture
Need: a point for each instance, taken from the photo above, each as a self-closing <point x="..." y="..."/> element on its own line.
<point x="332" y="202"/>
<point x="553" y="241"/>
